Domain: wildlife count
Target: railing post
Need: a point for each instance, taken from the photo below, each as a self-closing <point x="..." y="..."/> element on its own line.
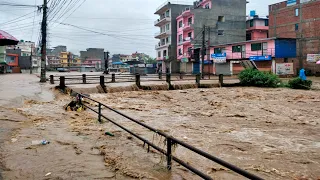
<point x="113" y="77"/>
<point x="169" y="153"/>
<point x="84" y="78"/>
<point x="51" y="79"/>
<point x="221" y="80"/>
<point x="99" y="115"/>
<point x="138" y="82"/>
<point x="160" y="75"/>
<point x="62" y="82"/>
<point x="181" y="76"/>
<point x="102" y="81"/>
<point x="198" y="77"/>
<point x="168" y="79"/>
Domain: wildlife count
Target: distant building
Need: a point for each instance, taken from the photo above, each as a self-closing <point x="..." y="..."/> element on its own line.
<point x="54" y="61"/>
<point x="90" y="62"/>
<point x="93" y="53"/>
<point x="298" y="19"/>
<point x="56" y="51"/>
<point x="65" y="59"/>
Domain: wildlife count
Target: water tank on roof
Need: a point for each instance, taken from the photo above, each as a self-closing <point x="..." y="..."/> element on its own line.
<point x="252" y="13"/>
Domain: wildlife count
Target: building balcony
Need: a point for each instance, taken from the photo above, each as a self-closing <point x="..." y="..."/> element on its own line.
<point x="187" y="27"/>
<point x="159" y="46"/>
<point x="162" y="21"/>
<point x="186" y="13"/>
<point x="161" y="35"/>
<point x="187" y="41"/>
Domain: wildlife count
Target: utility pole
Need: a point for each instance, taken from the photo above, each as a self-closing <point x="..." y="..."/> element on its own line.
<point x="208" y="49"/>
<point x="203" y="50"/>
<point x="68" y="55"/>
<point x="44" y="41"/>
<point x="106" y="62"/>
<point x="31" y="59"/>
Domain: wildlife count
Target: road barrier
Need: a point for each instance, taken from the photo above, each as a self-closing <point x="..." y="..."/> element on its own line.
<point x="170" y="141"/>
<point x="137" y="79"/>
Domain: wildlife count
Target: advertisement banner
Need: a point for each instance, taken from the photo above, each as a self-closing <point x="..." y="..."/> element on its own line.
<point x="219" y="58"/>
<point x="312" y="58"/>
<point x="284" y="69"/>
<point x="184" y="60"/>
<point x="260" y="58"/>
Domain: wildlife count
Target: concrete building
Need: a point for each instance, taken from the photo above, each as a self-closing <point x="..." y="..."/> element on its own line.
<point x="257" y="28"/>
<point x="223" y="21"/>
<point x="54" y="61"/>
<point x="298" y="19"/>
<point x="93" y="53"/>
<point x="167" y="46"/>
<point x="56" y="51"/>
<point x="65" y="59"/>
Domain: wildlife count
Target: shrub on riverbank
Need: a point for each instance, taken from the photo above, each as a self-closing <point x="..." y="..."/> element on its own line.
<point x="254" y="77"/>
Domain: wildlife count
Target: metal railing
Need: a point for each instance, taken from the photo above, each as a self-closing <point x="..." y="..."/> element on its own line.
<point x="170" y="141"/>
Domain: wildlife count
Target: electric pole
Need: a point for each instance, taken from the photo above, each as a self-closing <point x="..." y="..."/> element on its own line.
<point x="208" y="50"/>
<point x="31" y="59"/>
<point x="44" y="41"/>
<point x="203" y="50"/>
<point x="106" y="63"/>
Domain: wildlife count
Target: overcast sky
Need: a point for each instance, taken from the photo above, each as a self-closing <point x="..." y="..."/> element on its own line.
<point x="125" y="26"/>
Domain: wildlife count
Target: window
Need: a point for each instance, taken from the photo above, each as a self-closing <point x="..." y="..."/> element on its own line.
<point x="190" y="21"/>
<point x="190" y="34"/>
<point x="221" y="19"/>
<point x="167" y="27"/>
<point x="296" y="12"/>
<point x="236" y="48"/>
<point x="167" y="40"/>
<point x="162" y="29"/>
<point x="180" y="52"/>
<point x="180" y="38"/>
<point x="168" y="13"/>
<point x="297" y="27"/>
<point x="285" y="60"/>
<point x="256" y="47"/>
<point x="266" y="22"/>
<point x="189" y="49"/>
<point x="180" y="24"/>
<point x="164" y="53"/>
<point x="159" y="53"/>
<point x="217" y="50"/>
<point x="220" y="32"/>
<point x="251" y="23"/>
<point x="207" y="6"/>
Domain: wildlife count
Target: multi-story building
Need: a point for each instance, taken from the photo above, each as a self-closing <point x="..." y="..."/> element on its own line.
<point x="257" y="27"/>
<point x="65" y="58"/>
<point x="167" y="46"/>
<point x="222" y="21"/>
<point x="93" y="53"/>
<point x="54" y="61"/>
<point x="298" y="19"/>
<point x="56" y="51"/>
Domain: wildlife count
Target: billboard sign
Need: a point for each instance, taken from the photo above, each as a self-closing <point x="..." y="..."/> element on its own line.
<point x="284" y="69"/>
<point x="260" y="58"/>
<point x="219" y="58"/>
<point x="312" y="58"/>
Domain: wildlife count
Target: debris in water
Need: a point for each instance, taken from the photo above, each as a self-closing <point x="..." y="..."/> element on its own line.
<point x="109" y="134"/>
<point x="13" y="140"/>
<point x="48" y="174"/>
<point x="40" y="142"/>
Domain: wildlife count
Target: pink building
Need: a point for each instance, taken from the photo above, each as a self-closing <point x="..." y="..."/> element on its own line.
<point x="257" y="28"/>
<point x="96" y="63"/>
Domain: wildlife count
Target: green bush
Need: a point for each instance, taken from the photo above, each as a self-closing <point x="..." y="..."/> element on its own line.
<point x="298" y="83"/>
<point x="254" y="77"/>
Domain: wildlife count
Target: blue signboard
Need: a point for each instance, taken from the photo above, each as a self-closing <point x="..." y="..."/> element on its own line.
<point x="291" y="2"/>
<point x="261" y="58"/>
<point x="218" y="55"/>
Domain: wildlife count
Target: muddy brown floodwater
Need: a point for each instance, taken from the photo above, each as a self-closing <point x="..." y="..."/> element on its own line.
<point x="273" y="133"/>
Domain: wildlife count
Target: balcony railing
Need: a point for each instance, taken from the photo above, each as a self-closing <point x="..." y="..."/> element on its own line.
<point x="162" y="34"/>
<point x="162" y="21"/>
